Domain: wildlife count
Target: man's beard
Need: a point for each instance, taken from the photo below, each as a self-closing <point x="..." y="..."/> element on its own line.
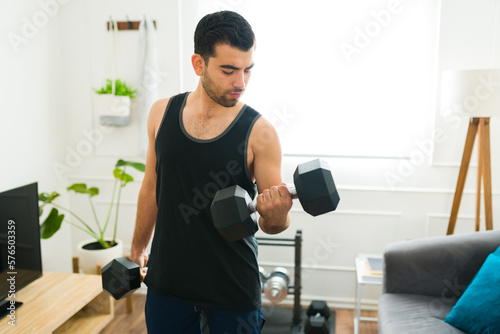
<point x="214" y="92"/>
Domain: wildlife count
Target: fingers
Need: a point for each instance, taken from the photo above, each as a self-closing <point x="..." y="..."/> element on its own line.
<point x="277" y="197"/>
<point x="273" y="205"/>
<point x="142" y="261"/>
<point x="283" y="190"/>
<point x="275" y="193"/>
<point x="144" y="269"/>
<point x="144" y="272"/>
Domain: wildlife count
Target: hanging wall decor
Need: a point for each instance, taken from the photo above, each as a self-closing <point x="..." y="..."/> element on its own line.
<point x="112" y="101"/>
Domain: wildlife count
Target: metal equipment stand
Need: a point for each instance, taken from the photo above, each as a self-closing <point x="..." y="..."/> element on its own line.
<point x="294" y="289"/>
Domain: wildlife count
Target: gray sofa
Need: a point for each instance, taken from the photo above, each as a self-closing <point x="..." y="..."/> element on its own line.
<point x="424" y="278"/>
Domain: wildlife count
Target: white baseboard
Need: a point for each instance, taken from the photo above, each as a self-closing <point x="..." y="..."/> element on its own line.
<point x="305" y="301"/>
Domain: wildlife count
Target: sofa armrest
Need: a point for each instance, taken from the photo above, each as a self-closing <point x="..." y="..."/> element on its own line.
<point x="437" y="266"/>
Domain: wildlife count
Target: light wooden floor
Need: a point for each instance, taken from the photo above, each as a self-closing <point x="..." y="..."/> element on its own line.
<point x="134" y="323"/>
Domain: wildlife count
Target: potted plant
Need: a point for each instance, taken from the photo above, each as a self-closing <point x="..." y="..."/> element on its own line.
<point x="101" y="248"/>
<point x="112" y="103"/>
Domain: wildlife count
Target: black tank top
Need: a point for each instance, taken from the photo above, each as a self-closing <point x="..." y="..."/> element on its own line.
<point x="189" y="259"/>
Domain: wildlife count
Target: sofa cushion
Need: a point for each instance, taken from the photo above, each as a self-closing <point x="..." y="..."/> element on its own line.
<point x="478" y="309"/>
<point x="414" y="314"/>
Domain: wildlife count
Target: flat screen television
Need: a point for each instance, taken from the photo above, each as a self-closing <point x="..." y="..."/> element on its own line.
<point x="20" y="256"/>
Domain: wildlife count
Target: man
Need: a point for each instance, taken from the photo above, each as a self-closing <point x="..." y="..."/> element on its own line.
<point x="200" y="142"/>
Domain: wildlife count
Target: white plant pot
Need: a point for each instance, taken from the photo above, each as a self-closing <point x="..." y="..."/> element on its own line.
<point x="89" y="259"/>
<point x="112" y="110"/>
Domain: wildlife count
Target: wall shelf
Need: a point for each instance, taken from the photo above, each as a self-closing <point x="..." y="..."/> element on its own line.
<point x="126" y="25"/>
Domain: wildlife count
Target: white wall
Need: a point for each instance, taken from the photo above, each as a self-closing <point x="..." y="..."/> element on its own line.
<point x="86" y="46"/>
<point x="70" y="52"/>
<point x="33" y="116"/>
<point x="382" y="200"/>
<point x="374" y="212"/>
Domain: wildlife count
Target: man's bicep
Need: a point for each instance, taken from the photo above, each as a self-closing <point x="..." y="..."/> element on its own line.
<point x="154" y="121"/>
<point x="267" y="155"/>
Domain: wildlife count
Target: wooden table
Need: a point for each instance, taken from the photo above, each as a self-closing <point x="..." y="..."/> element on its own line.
<point x="61" y="303"/>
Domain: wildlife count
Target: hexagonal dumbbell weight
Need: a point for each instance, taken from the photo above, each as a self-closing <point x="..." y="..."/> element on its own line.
<point x="121" y="277"/>
<point x="317" y="313"/>
<point x="233" y="211"/>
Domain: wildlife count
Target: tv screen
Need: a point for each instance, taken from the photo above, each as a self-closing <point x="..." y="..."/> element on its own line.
<point x="20" y="256"/>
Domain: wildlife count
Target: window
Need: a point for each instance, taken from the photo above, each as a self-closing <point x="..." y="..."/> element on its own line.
<point x="340" y="77"/>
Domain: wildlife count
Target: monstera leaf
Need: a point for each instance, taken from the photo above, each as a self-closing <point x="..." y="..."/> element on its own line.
<point x="81" y="188"/>
<point x="120" y="174"/>
<point x="52" y="224"/>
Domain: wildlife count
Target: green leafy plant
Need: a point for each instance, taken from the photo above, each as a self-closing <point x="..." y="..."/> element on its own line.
<point x="121" y="89"/>
<point x="55" y="219"/>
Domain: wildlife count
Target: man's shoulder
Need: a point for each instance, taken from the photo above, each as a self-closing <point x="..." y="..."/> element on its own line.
<point x="157" y="112"/>
<point x="261" y="122"/>
<point x="161" y="105"/>
<point x="263" y="134"/>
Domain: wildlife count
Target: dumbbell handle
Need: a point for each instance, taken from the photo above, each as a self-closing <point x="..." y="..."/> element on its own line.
<point x="253" y="205"/>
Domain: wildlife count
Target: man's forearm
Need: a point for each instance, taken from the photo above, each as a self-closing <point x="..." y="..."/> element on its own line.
<point x="145" y="222"/>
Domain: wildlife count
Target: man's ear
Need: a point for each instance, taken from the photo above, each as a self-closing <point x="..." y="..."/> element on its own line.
<point x="198" y="64"/>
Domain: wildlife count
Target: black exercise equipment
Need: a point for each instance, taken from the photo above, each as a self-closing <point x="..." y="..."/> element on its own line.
<point x="233" y="211"/>
<point x="296" y="288"/>
<point x="286" y="320"/>
<point x="318" y="313"/>
<point x="121" y="277"/>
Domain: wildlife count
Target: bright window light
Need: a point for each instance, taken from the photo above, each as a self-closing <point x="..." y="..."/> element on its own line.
<point x="340" y="77"/>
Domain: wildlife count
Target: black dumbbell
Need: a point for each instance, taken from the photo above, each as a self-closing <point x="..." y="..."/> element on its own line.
<point x="121" y="277"/>
<point x="233" y="211"/>
<point x="317" y="315"/>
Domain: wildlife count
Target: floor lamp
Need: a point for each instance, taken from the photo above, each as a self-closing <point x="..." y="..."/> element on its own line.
<point x="476" y="92"/>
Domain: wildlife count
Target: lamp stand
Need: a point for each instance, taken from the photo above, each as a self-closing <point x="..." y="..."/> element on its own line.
<point x="481" y="127"/>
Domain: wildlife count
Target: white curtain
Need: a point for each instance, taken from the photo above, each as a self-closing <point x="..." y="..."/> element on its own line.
<point x="149" y="78"/>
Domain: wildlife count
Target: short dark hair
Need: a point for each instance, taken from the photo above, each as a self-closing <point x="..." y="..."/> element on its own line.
<point x="224" y="27"/>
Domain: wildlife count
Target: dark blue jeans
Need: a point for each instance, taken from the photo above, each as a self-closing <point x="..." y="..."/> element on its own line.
<point x="171" y="315"/>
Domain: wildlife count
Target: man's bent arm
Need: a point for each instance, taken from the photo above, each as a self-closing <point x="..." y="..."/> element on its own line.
<point x="274" y="200"/>
<point x="146" y="206"/>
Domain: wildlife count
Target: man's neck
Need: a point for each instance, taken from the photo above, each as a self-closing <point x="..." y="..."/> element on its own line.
<point x="205" y="107"/>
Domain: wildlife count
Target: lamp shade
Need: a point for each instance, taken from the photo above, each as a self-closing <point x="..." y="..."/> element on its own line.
<point x="475" y="93"/>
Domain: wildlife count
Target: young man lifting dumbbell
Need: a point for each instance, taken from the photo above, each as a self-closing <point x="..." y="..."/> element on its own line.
<point x="200" y="142"/>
